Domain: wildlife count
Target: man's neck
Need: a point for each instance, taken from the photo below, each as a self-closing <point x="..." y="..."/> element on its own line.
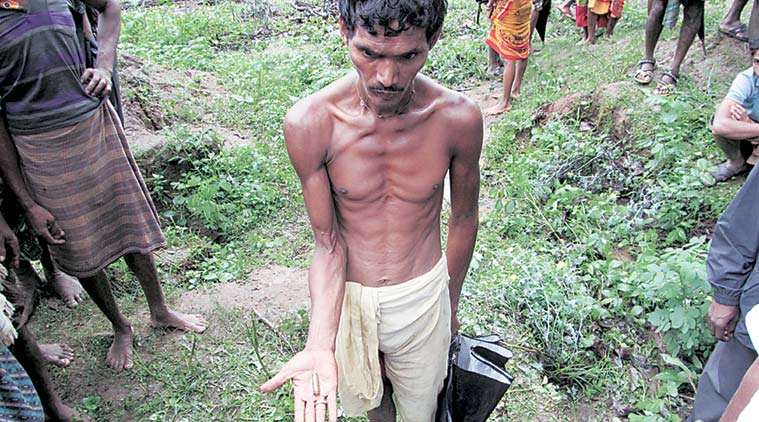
<point x="398" y="109"/>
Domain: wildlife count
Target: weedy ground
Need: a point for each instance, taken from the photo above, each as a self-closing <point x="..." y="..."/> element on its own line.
<point x="590" y="261"/>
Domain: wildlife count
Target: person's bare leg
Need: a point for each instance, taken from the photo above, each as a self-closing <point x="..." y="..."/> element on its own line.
<point x="509" y="71"/>
<point x="67" y="287"/>
<point x="516" y="87"/>
<point x="60" y="354"/>
<point x="610" y="26"/>
<point x="494" y="60"/>
<point x="119" y="355"/>
<point x="28" y="354"/>
<point x="753" y="28"/>
<point x="592" y="23"/>
<point x="733" y="17"/>
<point x="143" y="266"/>
<point x="732" y="150"/>
<point x="584" y="38"/>
<point x="386" y="410"/>
<point x="691" y="21"/>
<point x="653" y="27"/>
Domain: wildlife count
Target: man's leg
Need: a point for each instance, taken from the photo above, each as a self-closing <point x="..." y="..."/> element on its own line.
<point x="119" y="355"/>
<point x="592" y="23"/>
<point x="509" y="71"/>
<point x="28" y="282"/>
<point x="494" y="60"/>
<point x="28" y="354"/>
<point x="732" y="150"/>
<point x="143" y="266"/>
<point x="753" y="27"/>
<point x="733" y="17"/>
<point x="516" y="87"/>
<point x="610" y="26"/>
<point x="722" y="375"/>
<point x="692" y="15"/>
<point x="68" y="288"/>
<point x="385" y="412"/>
<point x="653" y="27"/>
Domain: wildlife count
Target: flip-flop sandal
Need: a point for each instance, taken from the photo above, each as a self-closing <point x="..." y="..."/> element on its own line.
<point x="725" y="173"/>
<point x="664" y="88"/>
<point x="739" y="33"/>
<point x="645" y="76"/>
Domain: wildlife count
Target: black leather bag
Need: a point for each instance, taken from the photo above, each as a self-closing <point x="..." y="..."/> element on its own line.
<point x="476" y="379"/>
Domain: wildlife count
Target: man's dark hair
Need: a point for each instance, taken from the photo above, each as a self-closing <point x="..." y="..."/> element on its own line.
<point x="393" y="16"/>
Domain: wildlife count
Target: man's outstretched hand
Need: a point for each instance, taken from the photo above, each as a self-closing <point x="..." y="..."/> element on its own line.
<point x="722" y="320"/>
<point x="312" y="398"/>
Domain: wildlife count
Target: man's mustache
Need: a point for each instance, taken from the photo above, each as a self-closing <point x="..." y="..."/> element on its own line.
<point x="380" y="87"/>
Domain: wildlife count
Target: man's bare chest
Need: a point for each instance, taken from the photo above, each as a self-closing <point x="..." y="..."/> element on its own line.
<point x="406" y="165"/>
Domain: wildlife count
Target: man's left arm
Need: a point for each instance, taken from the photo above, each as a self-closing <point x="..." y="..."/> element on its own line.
<point x="98" y="80"/>
<point x="466" y="132"/>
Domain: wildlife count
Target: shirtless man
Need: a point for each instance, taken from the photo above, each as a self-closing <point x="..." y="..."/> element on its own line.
<point x="372" y="151"/>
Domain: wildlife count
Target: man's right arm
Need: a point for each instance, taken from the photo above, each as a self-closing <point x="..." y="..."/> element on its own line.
<point x="326" y="276"/>
<point x="39" y="218"/>
<point x="726" y="125"/>
<point x="732" y="257"/>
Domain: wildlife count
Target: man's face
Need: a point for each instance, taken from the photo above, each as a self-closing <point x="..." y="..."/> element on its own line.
<point x="755" y="62"/>
<point x="386" y="66"/>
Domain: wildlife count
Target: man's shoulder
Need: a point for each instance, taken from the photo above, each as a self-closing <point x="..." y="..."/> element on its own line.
<point x="315" y="110"/>
<point x="457" y="112"/>
<point x="452" y="106"/>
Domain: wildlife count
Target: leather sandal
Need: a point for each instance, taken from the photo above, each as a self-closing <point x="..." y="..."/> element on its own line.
<point x="645" y="76"/>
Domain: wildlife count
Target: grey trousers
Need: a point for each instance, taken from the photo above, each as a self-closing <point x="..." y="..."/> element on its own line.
<point x="722" y="375"/>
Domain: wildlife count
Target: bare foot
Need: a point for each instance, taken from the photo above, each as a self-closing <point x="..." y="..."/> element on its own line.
<point x="515" y="95"/>
<point x="63" y="413"/>
<point x="119" y="355"/>
<point x="180" y="321"/>
<point x="67" y="287"/>
<point x="59" y="354"/>
<point x="498" y="109"/>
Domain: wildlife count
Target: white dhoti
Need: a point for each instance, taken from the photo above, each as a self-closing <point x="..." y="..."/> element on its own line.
<point x="410" y="324"/>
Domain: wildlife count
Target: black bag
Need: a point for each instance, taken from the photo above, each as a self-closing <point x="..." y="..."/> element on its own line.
<point x="476" y="379"/>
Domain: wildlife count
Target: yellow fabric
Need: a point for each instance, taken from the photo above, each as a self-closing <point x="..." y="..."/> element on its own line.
<point x="510" y="30"/>
<point x="599" y="7"/>
<point x="410" y="324"/>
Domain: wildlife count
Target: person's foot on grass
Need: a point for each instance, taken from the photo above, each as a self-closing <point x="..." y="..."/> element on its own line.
<point x="667" y="84"/>
<point x="119" y="357"/>
<point x="738" y="31"/>
<point x="180" y="321"/>
<point x="515" y="94"/>
<point x="66" y="287"/>
<point x="725" y="172"/>
<point x="499" y="108"/>
<point x="63" y="413"/>
<point x="58" y="354"/>
<point x="495" y="71"/>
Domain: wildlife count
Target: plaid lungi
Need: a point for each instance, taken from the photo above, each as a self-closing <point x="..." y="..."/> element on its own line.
<point x="86" y="176"/>
<point x="18" y="398"/>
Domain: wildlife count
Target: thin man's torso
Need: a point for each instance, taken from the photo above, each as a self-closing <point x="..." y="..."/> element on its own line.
<point x="387" y="177"/>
